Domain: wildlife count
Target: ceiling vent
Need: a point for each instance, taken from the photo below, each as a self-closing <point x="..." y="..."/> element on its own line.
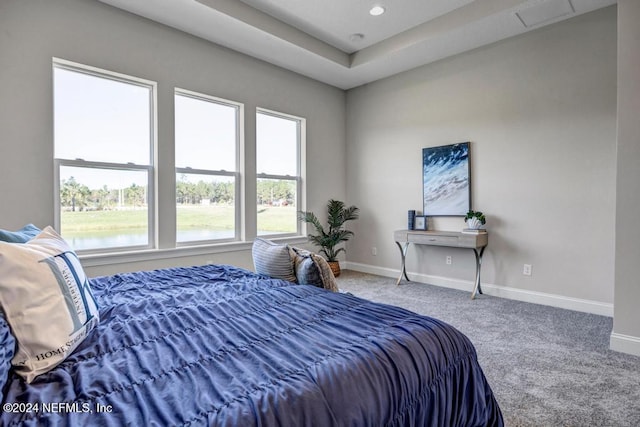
<point x="545" y="11"/>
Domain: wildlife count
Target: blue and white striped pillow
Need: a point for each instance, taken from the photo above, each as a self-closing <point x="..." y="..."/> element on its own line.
<point x="272" y="259"/>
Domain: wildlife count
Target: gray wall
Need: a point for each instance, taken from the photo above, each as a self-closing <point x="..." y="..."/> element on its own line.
<point x="626" y="321"/>
<point x="540" y="112"/>
<point x="89" y="32"/>
<point x="539" y="109"/>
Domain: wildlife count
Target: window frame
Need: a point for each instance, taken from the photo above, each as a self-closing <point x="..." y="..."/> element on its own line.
<point x="237" y="174"/>
<point x="151" y="169"/>
<point x="299" y="179"/>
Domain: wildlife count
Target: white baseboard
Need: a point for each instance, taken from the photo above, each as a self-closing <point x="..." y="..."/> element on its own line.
<point x="625" y="344"/>
<point x="366" y="268"/>
<point x="560" y="301"/>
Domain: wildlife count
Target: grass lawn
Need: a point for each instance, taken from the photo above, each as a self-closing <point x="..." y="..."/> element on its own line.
<point x="102" y="223"/>
<point x="277" y="219"/>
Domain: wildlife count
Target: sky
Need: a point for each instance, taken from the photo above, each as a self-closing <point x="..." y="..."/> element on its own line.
<point x="106" y="120"/>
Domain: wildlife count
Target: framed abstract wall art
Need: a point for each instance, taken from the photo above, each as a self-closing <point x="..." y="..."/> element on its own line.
<point x="446" y="180"/>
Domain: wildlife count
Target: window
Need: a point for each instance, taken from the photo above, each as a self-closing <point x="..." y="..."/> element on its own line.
<point x="207" y="138"/>
<point x="103" y="148"/>
<point x="278" y="167"/>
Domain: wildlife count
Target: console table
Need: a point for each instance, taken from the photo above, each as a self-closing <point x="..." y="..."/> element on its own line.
<point x="477" y="242"/>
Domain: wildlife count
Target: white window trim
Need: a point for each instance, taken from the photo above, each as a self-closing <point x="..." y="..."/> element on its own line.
<point x="79" y="163"/>
<point x="152" y="183"/>
<point x="238" y="173"/>
<point x="301" y="191"/>
<point x="206" y="172"/>
<point x="297" y="180"/>
<point x="131" y="254"/>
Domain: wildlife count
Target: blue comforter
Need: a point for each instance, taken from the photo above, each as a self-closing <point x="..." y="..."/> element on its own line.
<point x="221" y="346"/>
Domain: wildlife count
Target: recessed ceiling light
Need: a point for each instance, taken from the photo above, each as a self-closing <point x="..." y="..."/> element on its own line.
<point x="376" y="10"/>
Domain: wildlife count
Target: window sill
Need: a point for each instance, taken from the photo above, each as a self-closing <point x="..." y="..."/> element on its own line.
<point x="125" y="257"/>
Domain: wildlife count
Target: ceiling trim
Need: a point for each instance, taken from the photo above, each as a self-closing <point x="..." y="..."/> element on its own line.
<point x="241" y="27"/>
<point x="430" y="30"/>
<point x="270" y="25"/>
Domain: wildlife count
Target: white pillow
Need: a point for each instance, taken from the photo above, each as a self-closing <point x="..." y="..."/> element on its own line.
<point x="47" y="301"/>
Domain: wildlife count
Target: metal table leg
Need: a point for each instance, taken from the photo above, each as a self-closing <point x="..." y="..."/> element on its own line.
<point x="403" y="254"/>
<point x="477" y="287"/>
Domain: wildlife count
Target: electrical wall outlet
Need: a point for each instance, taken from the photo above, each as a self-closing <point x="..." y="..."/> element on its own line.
<point x="526" y="270"/>
<point x="374" y="251"/>
<point x="448" y="259"/>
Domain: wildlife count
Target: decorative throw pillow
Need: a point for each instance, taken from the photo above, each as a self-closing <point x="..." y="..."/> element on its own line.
<point x="272" y="259"/>
<point x="307" y="272"/>
<point x="23" y="235"/>
<point x="46" y="300"/>
<point x="326" y="275"/>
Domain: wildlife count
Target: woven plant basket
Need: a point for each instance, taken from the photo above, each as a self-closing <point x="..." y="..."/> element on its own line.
<point x="335" y="268"/>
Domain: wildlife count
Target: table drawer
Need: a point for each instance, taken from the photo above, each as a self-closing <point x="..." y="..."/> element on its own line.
<point x="430" y="239"/>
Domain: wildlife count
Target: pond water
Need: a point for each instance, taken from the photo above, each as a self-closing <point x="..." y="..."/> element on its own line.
<point x="92" y="241"/>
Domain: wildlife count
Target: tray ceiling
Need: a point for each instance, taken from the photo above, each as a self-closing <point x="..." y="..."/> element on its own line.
<point x="339" y="43"/>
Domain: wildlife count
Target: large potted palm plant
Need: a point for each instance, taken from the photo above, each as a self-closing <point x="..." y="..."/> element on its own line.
<point x="335" y="233"/>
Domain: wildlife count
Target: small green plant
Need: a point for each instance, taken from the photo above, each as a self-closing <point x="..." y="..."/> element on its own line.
<point x="476" y="214"/>
<point x="329" y="238"/>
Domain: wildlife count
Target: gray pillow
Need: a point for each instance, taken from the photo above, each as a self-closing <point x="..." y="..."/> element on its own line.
<point x="307" y="272"/>
<point x="312" y="269"/>
<point x="272" y="259"/>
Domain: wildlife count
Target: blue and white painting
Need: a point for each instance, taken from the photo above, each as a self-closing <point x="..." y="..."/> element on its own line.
<point x="445" y="176"/>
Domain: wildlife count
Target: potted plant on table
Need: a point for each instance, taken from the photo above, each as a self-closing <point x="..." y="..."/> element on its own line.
<point x="329" y="238"/>
<point x="475" y="219"/>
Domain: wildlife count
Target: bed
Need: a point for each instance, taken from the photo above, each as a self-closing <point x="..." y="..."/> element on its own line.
<point x="217" y="345"/>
